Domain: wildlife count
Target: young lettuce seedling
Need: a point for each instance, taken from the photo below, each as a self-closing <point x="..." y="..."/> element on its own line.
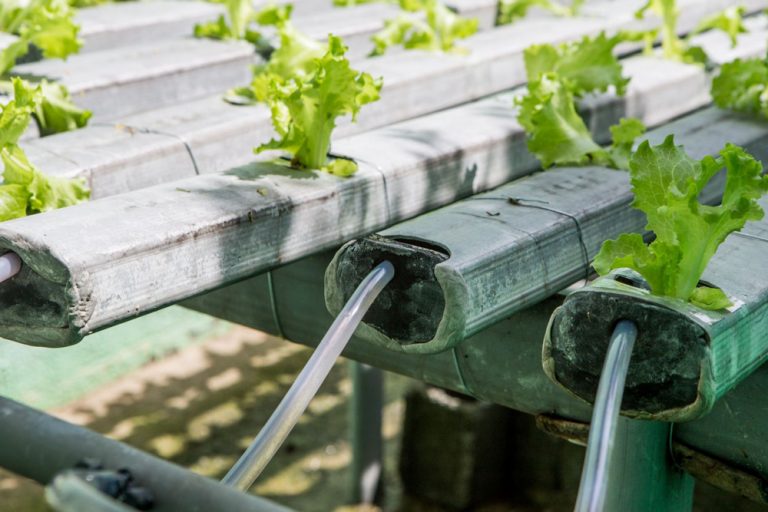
<point x="437" y="31"/>
<point x="25" y="190"/>
<point x="667" y="183"/>
<point x="233" y="24"/>
<point x="304" y="110"/>
<point x="513" y="10"/>
<point x="49" y="25"/>
<point x="557" y="77"/>
<point x="673" y="47"/>
<point x="296" y="57"/>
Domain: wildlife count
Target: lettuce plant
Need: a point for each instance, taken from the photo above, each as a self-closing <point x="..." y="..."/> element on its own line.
<point x="48" y="24"/>
<point x="667" y="184"/>
<point x="296" y="57"/>
<point x="304" y="110"/>
<point x="25" y="190"/>
<point x="234" y="24"/>
<point x="742" y="85"/>
<point x="438" y="30"/>
<point x="557" y="77"/>
<point x="513" y="10"/>
<point x="673" y="46"/>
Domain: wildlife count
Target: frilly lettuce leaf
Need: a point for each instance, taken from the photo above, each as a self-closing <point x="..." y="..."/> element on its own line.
<point x="55" y="112"/>
<point x="742" y="85"/>
<point x="438" y="31"/>
<point x="667" y="184"/>
<point x="556" y="132"/>
<point x="25" y="190"/>
<point x="304" y="111"/>
<point x="296" y="57"/>
<point x="557" y="77"/>
<point x="53" y="108"/>
<point x="673" y="47"/>
<point x="587" y="65"/>
<point x="234" y="24"/>
<point x="730" y="21"/>
<point x="48" y="24"/>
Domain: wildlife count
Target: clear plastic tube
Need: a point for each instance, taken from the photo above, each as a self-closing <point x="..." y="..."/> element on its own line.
<point x="605" y="415"/>
<point x="294" y="403"/>
<point x="10" y="264"/>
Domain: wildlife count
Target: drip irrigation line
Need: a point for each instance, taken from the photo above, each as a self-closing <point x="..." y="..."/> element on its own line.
<point x="520" y="201"/>
<point x="749" y="235"/>
<point x="379" y="170"/>
<point x="305" y="387"/>
<point x="152" y="131"/>
<point x="605" y="415"/>
<point x="463" y="381"/>
<point x="273" y="304"/>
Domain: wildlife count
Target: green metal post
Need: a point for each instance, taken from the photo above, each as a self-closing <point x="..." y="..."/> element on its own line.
<point x="642" y="475"/>
<point x="365" y="432"/>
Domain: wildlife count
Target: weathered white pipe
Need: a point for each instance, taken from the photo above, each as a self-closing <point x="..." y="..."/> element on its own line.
<point x="304" y="388"/>
<point x="10" y="264"/>
<point x="605" y="415"/>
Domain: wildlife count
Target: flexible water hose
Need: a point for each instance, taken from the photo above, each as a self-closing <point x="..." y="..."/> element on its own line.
<point x="294" y="403"/>
<point x="605" y="415"/>
<point x="10" y="264"/>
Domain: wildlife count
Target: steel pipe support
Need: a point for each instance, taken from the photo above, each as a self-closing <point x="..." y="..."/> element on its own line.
<point x="38" y="446"/>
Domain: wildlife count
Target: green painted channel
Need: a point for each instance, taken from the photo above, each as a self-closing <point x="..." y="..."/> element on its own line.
<point x="47" y="378"/>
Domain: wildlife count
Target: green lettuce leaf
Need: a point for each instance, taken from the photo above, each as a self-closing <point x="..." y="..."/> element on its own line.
<point x="742" y="85"/>
<point x="557" y="77"/>
<point x="556" y="132"/>
<point x="623" y="136"/>
<point x="667" y="184"/>
<point x="587" y="65"/>
<point x="234" y="24"/>
<point x="673" y="47"/>
<point x="296" y="57"/>
<point x="25" y="189"/>
<point x="53" y="109"/>
<point x="513" y="10"/>
<point x="55" y="112"/>
<point x="48" y="24"/>
<point x="304" y="111"/>
<point x="730" y="21"/>
<point x="438" y="31"/>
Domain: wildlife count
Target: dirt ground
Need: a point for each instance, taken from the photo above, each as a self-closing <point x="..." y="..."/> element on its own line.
<point x="201" y="406"/>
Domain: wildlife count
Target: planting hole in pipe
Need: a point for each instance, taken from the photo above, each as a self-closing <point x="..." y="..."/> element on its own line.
<point x="671" y="346"/>
<point x="410" y="308"/>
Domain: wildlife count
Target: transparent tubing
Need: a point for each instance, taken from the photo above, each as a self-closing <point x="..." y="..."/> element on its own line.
<point x="294" y="403"/>
<point x="605" y="415"/>
<point x="10" y="264"/>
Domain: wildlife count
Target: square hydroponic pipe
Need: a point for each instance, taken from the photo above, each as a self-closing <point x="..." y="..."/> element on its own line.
<point x="123" y="81"/>
<point x="113" y="25"/>
<point x="472" y="263"/>
<point x="685" y="357"/>
<point x="157" y="146"/>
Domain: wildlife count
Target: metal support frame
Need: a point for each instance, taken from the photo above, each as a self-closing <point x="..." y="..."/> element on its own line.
<point x="643" y="476"/>
<point x="365" y="423"/>
<point x="38" y="446"/>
